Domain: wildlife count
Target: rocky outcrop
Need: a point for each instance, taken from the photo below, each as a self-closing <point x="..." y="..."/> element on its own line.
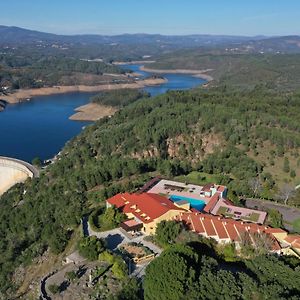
<point x="192" y="147"/>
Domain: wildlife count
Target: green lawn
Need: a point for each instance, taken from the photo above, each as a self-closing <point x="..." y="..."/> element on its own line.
<point x="254" y="217"/>
<point x="199" y="178"/>
<point x="296" y="225"/>
<point x="222" y="210"/>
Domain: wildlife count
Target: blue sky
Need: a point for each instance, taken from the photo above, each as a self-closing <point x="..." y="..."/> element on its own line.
<point x="235" y="17"/>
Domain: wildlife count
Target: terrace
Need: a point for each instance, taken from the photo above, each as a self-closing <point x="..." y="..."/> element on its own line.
<point x="131" y="225"/>
<point x="240" y="213"/>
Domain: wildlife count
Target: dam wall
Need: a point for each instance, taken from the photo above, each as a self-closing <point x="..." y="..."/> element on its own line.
<point x="13" y="171"/>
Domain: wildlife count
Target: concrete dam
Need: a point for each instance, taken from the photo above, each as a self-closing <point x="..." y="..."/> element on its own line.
<point x="13" y="171"/>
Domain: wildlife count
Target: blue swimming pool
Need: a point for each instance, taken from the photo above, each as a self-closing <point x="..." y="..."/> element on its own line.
<point x="195" y="203"/>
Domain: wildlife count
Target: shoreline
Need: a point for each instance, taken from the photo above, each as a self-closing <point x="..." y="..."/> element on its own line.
<point x="195" y="73"/>
<point x="134" y="62"/>
<point x="92" y="112"/>
<point x="24" y="94"/>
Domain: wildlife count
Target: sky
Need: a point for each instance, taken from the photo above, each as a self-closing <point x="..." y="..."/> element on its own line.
<point x="180" y="17"/>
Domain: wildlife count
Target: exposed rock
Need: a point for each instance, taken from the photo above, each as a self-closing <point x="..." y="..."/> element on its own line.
<point x="193" y="147"/>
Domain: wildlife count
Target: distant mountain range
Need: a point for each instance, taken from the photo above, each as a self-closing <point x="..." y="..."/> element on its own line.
<point x="284" y="44"/>
<point x="10" y="35"/>
<point x="17" y="35"/>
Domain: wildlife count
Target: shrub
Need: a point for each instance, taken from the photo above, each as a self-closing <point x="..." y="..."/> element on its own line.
<point x="54" y="288"/>
<point x="90" y="247"/>
<point x="107" y="257"/>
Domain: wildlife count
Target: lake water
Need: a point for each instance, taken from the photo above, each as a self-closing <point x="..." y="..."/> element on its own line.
<point x="41" y="127"/>
<point x="175" y="81"/>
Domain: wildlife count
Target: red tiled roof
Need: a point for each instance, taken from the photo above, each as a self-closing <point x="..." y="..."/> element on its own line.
<point x="212" y="202"/>
<point x="131" y="223"/>
<point x="145" y="206"/>
<point x="232" y="233"/>
<point x="198" y="226"/>
<point x="223" y="228"/>
<point x="273" y="230"/>
<point x="221" y="188"/>
<point x="275" y="245"/>
<point x="186" y="219"/>
<point x="206" y="188"/>
<point x="240" y="227"/>
<point x="117" y="200"/>
<point x="149" y="184"/>
<point x="208" y="226"/>
<point x="220" y="229"/>
<point x="294" y="240"/>
<point x="252" y="227"/>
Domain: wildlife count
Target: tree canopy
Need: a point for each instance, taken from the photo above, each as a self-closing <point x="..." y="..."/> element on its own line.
<point x="90" y="247"/>
<point x="179" y="273"/>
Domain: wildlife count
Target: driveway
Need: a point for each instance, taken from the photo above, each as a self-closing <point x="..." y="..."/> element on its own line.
<point x="116" y="237"/>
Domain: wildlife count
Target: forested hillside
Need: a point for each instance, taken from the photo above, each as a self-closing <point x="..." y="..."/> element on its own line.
<point x="39" y="70"/>
<point x="165" y="135"/>
<point x="119" y="98"/>
<point x="277" y="71"/>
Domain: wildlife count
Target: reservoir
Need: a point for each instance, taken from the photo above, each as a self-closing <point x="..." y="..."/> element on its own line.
<point x="175" y="81"/>
<point x="40" y="127"/>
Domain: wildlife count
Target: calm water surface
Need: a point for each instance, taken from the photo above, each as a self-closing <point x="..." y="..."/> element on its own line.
<point x="175" y="81"/>
<point x="41" y="127"/>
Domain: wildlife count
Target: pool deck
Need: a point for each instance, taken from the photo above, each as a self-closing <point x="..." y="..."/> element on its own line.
<point x="219" y="206"/>
<point x="190" y="191"/>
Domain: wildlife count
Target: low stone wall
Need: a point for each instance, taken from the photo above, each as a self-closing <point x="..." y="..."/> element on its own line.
<point x="13" y="171"/>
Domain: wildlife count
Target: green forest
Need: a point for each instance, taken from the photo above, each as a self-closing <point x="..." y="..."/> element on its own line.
<point x="119" y="98"/>
<point x="39" y="70"/>
<point x="193" y="267"/>
<point x="276" y="71"/>
<point x="185" y="272"/>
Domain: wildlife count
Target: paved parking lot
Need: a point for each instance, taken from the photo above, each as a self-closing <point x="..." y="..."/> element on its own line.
<point x="116" y="237"/>
<point x="289" y="213"/>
